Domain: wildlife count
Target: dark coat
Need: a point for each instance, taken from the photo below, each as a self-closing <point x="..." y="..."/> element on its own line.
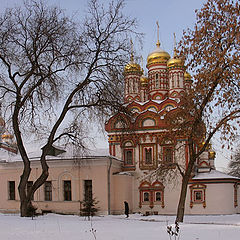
<point x="126" y="208"/>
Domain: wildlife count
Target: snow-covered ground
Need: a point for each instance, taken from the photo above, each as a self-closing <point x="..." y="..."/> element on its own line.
<point x="59" y="227"/>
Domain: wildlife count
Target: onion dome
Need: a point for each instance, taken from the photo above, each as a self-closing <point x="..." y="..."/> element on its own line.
<point x="175" y="61"/>
<point x="143" y="81"/>
<point x="157" y="56"/>
<point x="187" y="76"/>
<point x="132" y="67"/>
<point x="209" y="146"/>
<point x="7" y="136"/>
<point x="211" y="154"/>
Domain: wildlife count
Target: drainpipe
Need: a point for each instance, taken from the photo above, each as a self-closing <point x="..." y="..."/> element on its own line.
<point x="109" y="186"/>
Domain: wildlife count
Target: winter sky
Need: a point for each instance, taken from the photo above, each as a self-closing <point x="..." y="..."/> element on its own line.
<point x="173" y="16"/>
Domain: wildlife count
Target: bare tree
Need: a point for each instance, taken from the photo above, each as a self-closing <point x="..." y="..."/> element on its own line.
<point x="55" y="72"/>
<point x="234" y="165"/>
<point x="212" y="105"/>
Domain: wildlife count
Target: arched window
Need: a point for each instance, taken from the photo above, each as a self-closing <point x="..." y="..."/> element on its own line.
<point x="146" y="196"/>
<point x="148" y="155"/>
<point x="152" y="108"/>
<point x="157" y="81"/>
<point x="151" y="194"/>
<point x="168" y="154"/>
<point x="198" y="194"/>
<point x="158" y="196"/>
<point x="128" y="156"/>
<point x="120" y="124"/>
<point x="148" y="122"/>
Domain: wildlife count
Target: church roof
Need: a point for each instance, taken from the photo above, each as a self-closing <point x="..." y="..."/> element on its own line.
<point x="34" y="153"/>
<point x="213" y="174"/>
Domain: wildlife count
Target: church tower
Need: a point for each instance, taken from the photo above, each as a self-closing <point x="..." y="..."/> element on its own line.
<point x="132" y="74"/>
<point x="176" y="74"/>
<point x="157" y="72"/>
<point x="143" y="141"/>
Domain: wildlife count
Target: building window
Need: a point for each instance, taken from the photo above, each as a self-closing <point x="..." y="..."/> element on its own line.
<point x="146" y="197"/>
<point x="128" y="156"/>
<point x="48" y="191"/>
<point x="88" y="190"/>
<point x="67" y="190"/>
<point x="198" y="194"/>
<point x="168" y="154"/>
<point x="151" y="194"/>
<point x="29" y="186"/>
<point x="11" y="190"/>
<point x="158" y="196"/>
<point x="157" y="81"/>
<point x="148" y="155"/>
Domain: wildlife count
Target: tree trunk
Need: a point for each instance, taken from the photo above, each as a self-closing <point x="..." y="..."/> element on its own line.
<point x="24" y="208"/>
<point x="186" y="177"/>
<point x="24" y="202"/>
<point x="182" y="200"/>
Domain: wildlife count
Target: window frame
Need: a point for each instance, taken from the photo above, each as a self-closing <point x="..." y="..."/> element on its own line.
<point x="48" y="191"/>
<point x="151" y="189"/>
<point x="165" y="154"/>
<point x="88" y="188"/>
<point x="143" y="196"/>
<point x="195" y="197"/>
<point x="195" y="189"/>
<point x="148" y="165"/>
<point x="145" y="149"/>
<point x="11" y="192"/>
<point x="67" y="192"/>
<point x="157" y="85"/>
<point x="126" y="160"/>
<point x="155" y="196"/>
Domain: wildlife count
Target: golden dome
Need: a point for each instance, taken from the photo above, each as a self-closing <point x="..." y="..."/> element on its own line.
<point x="132" y="67"/>
<point x="212" y="154"/>
<point x="7" y="135"/>
<point x="175" y="61"/>
<point x="157" y="56"/>
<point x="144" y="81"/>
<point x="187" y="76"/>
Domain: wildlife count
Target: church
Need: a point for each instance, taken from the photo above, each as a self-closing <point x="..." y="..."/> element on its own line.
<point x="138" y="146"/>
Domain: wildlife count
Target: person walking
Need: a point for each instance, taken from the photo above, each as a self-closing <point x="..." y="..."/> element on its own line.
<point x="126" y="207"/>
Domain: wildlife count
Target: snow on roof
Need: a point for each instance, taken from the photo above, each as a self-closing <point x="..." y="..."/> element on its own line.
<point x="34" y="153"/>
<point x="143" y="103"/>
<point x="6" y="155"/>
<point x="124" y="173"/>
<point x="213" y="174"/>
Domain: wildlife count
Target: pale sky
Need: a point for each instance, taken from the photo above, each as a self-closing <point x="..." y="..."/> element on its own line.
<point x="173" y="16"/>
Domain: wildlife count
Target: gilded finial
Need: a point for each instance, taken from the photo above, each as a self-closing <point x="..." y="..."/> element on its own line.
<point x="158" y="42"/>
<point x="142" y="63"/>
<point x="131" y="50"/>
<point x="174" y="48"/>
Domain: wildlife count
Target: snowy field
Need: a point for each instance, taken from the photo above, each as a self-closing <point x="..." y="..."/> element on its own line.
<point x="59" y="227"/>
